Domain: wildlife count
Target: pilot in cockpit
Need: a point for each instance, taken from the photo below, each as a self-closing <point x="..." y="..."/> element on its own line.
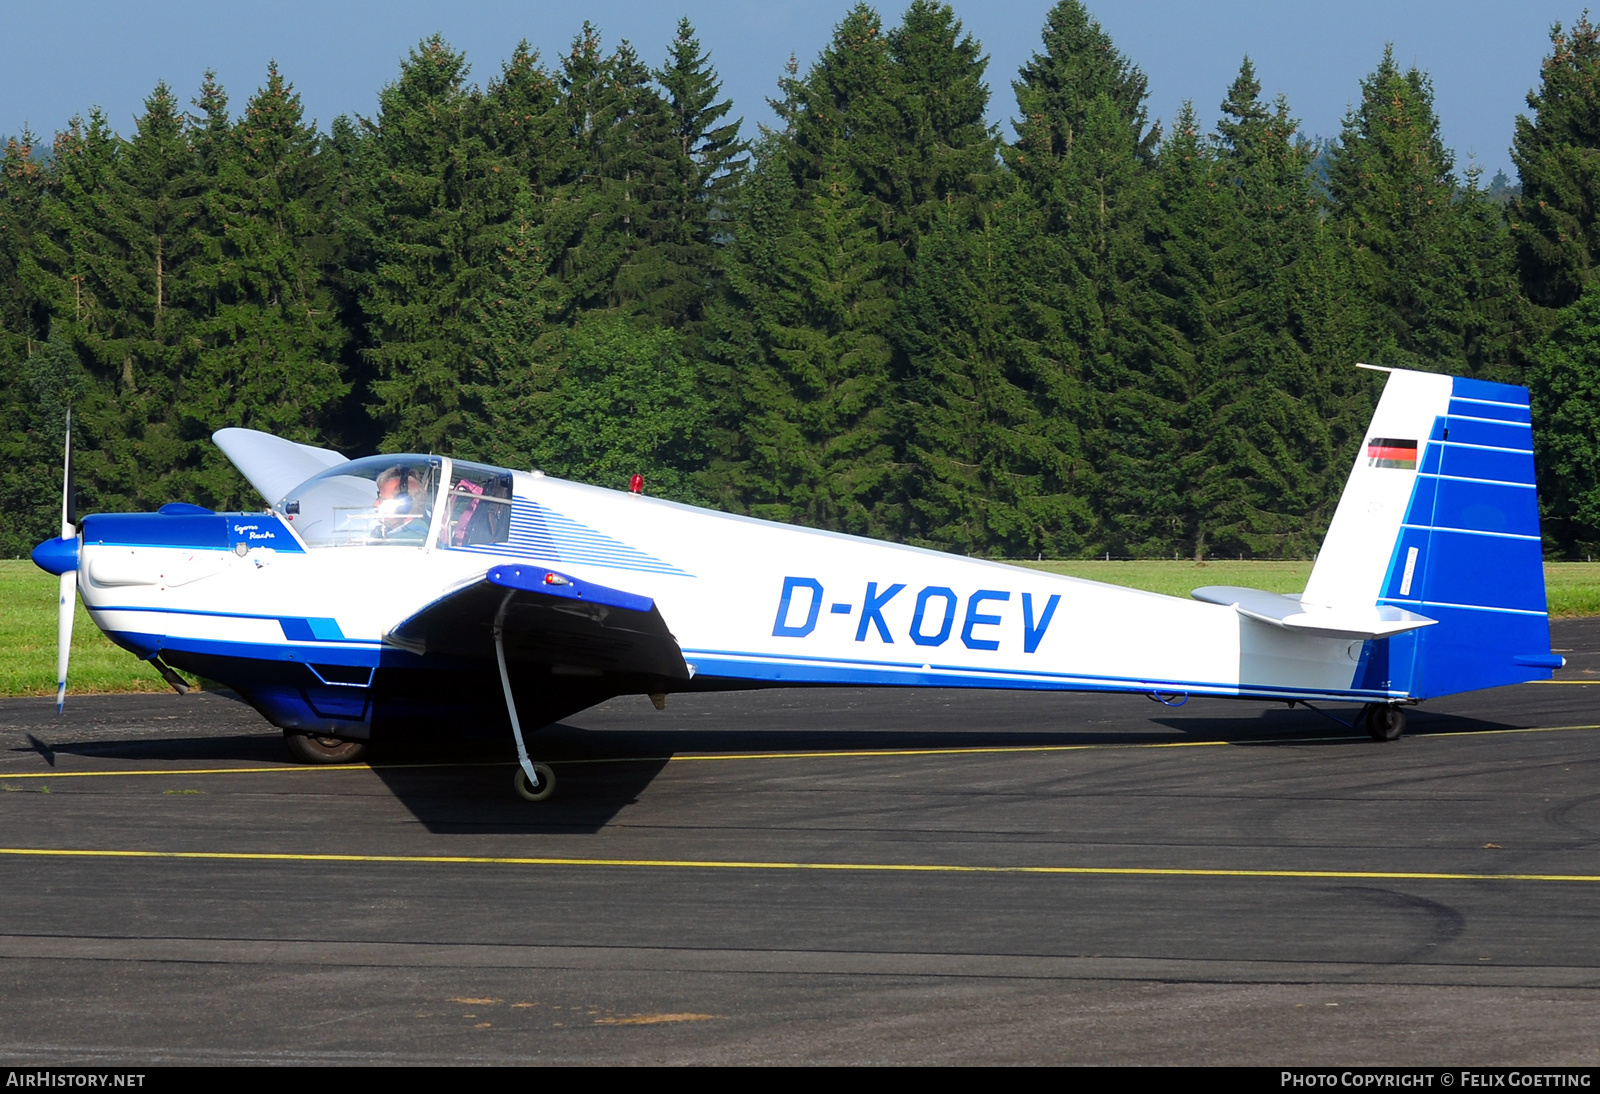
<point x="402" y="505"/>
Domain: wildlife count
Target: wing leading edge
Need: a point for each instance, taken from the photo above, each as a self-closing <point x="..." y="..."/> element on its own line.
<point x="548" y="618"/>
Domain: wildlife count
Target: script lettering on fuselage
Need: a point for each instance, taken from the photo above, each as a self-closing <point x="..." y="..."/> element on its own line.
<point x="254" y="533"/>
<point x="935" y="610"/>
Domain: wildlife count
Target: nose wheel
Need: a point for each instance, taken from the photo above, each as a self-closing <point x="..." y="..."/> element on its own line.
<point x="1383" y="722"/>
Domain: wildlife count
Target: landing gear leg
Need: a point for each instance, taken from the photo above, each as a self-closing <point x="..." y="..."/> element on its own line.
<point x="532" y="782"/>
<point x="1384" y="723"/>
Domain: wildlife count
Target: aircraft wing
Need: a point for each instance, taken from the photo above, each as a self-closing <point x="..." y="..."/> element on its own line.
<point x="273" y="465"/>
<point x="547" y="618"/>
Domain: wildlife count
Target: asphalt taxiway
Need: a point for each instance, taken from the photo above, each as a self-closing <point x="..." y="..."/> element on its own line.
<point x="814" y="875"/>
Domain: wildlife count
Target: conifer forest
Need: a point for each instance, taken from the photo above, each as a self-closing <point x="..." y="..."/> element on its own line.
<point x="878" y="316"/>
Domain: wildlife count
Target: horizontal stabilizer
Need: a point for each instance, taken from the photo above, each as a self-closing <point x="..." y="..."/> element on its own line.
<point x="1290" y="614"/>
<point x="273" y="465"/>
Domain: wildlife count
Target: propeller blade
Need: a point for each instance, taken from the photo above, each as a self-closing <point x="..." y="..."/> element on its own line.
<point x="69" y="515"/>
<point x="69" y="580"/>
<point x="69" y="604"/>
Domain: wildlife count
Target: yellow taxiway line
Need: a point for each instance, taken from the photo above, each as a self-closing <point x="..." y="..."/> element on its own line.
<point x="735" y="864"/>
<point x="292" y="769"/>
<point x="696" y="757"/>
<point x="974" y="750"/>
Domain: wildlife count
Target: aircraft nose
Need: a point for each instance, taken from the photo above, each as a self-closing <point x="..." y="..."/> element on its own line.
<point x="57" y="556"/>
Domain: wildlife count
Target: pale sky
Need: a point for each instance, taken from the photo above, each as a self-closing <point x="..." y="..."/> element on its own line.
<point x="1483" y="57"/>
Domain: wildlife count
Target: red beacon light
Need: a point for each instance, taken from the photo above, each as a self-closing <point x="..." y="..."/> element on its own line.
<point x="636" y="484"/>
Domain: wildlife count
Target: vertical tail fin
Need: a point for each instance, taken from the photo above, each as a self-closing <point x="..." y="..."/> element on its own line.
<point x="1440" y="517"/>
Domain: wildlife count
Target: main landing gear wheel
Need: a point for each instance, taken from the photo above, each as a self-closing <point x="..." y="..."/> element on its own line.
<point x="535" y="793"/>
<point x="1385" y="723"/>
<point x="324" y="750"/>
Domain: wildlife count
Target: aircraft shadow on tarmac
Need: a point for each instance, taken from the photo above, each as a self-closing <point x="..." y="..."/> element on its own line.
<point x="599" y="773"/>
<point x="1304" y="728"/>
<point x="466" y="787"/>
<point x="233" y="748"/>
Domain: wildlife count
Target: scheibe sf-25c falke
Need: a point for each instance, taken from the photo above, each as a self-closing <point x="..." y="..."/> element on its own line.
<point x="399" y="593"/>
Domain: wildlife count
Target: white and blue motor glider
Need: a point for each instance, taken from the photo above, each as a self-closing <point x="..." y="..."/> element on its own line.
<point x="414" y="593"/>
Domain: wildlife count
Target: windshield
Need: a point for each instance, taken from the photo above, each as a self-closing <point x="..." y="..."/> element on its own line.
<point x="380" y="500"/>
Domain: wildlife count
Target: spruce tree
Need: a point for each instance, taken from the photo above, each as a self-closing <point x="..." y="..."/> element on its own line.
<point x="988" y="419"/>
<point x="884" y="136"/>
<point x="694" y="205"/>
<point x="119" y="245"/>
<point x="1083" y="153"/>
<point x="523" y="306"/>
<point x="944" y="152"/>
<point x="841" y="119"/>
<point x="620" y="175"/>
<point x="817" y="445"/>
<point x="642" y="161"/>
<point x="1496" y="316"/>
<point x="1079" y="65"/>
<point x="1260" y="453"/>
<point x="763" y="213"/>
<point x="1192" y="226"/>
<point x="1565" y="388"/>
<point x="1556" y="220"/>
<point x="428" y="216"/>
<point x="267" y="325"/>
<point x="1392" y="184"/>
<point x="30" y="413"/>
<point x="24" y="291"/>
<point x="82" y="264"/>
<point x="901" y="114"/>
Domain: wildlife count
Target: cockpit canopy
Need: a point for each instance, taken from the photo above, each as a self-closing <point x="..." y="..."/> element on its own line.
<point x="394" y="500"/>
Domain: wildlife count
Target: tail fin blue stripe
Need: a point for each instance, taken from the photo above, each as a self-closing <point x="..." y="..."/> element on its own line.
<point x="1484" y="506"/>
<point x="1478" y="463"/>
<point x="1515" y="435"/>
<point x="1463" y="388"/>
<point x="1457" y="570"/>
<point x="1498" y="412"/>
<point x="1478" y="567"/>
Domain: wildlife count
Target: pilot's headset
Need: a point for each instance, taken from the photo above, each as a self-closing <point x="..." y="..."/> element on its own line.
<point x="401" y="504"/>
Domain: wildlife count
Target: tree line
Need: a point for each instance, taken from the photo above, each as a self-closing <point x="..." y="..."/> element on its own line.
<point x="879" y="316"/>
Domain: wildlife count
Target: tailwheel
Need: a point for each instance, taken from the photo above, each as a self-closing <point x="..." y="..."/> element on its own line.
<point x="311" y="749"/>
<point x="537" y="789"/>
<point x="1385" y="723"/>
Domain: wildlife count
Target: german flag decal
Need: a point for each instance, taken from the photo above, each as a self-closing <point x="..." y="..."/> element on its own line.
<point x="1388" y="452"/>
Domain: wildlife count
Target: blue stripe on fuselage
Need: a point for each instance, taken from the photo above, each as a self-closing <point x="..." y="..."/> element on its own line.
<point x="844" y="671"/>
<point x="202" y="531"/>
